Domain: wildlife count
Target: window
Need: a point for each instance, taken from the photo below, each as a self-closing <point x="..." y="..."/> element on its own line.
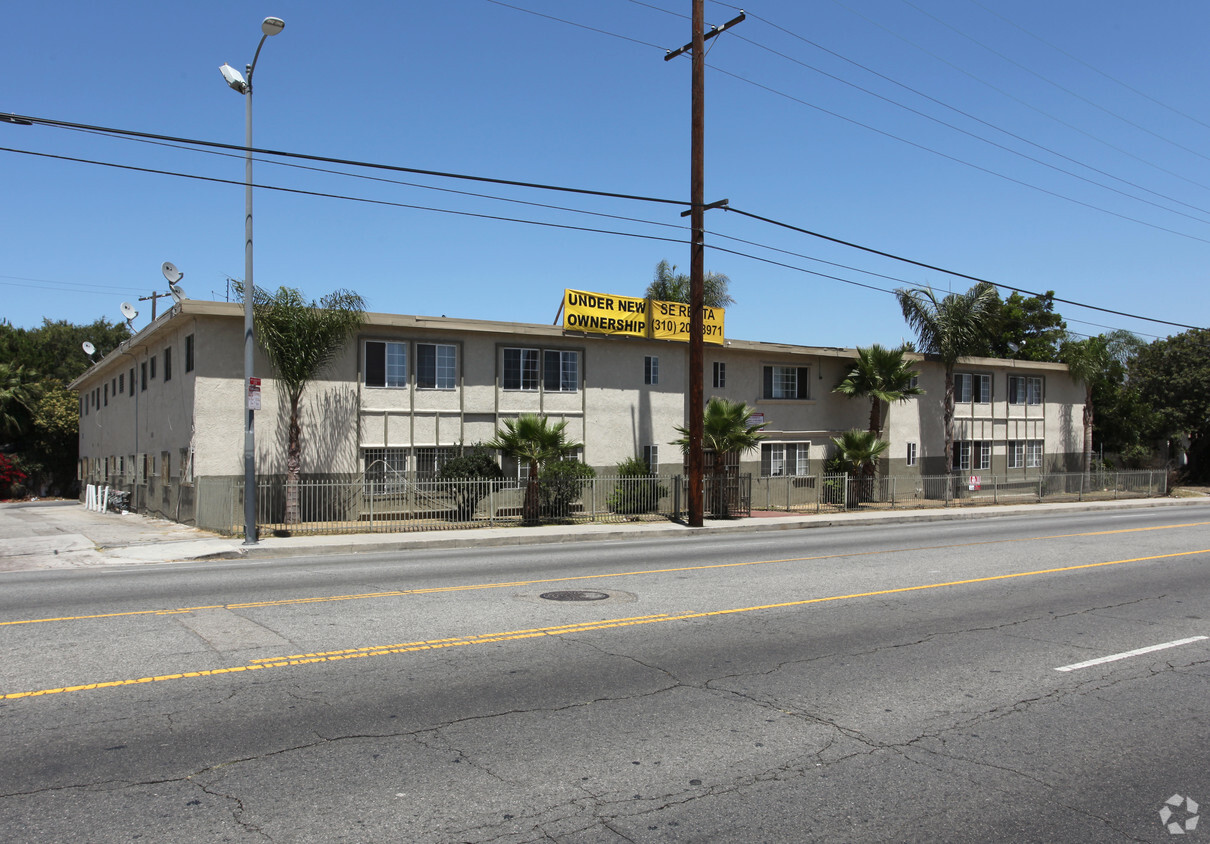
<point x="143" y="373"/>
<point x="152" y="362"/>
<point x="720" y="375"/>
<point x="385" y="469"/>
<point x="107" y="395"/>
<point x="132" y="382"/>
<point x="651" y="369"/>
<point x="189" y="353"/>
<point x="972" y="387"/>
<point x="561" y="371"/>
<point x="430" y="460"/>
<point x="1033" y="454"/>
<point x="436" y="366"/>
<point x="778" y="459"/>
<point x="973" y="454"/>
<point x="1024" y="389"/>
<point x="914" y="382"/>
<point x="520" y="369"/>
<point x="651" y="456"/>
<point x="386" y="364"/>
<point x="168" y="364"/>
<point x="121" y="384"/>
<point x="186" y="465"/>
<point x="911" y="454"/>
<point x="786" y="382"/>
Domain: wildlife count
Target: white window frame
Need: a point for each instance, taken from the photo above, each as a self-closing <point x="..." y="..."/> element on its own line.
<point x="445" y="367"/>
<point x="1035" y="454"/>
<point x="1016" y="454"/>
<point x="974" y="455"/>
<point x="566" y="375"/>
<point x="965" y="391"/>
<point x="776" y="460"/>
<point x="720" y="375"/>
<point x="394" y="364"/>
<point x="651" y="369"/>
<point x="651" y="456"/>
<point x="528" y="373"/>
<point x="912" y="454"/>
<point x="1024" y="390"/>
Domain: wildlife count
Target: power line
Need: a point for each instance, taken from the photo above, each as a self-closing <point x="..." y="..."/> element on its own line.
<point x="954" y="273"/>
<point x="957" y="160"/>
<point x="1018" y="100"/>
<point x="63" y="124"/>
<point x="563" y="226"/>
<point x="1093" y="68"/>
<point x="965" y="114"/>
<point x="1066" y="90"/>
<point x="383" y="180"/>
<point x="347" y="198"/>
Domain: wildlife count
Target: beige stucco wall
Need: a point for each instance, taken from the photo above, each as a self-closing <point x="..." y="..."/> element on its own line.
<point x="614" y="413"/>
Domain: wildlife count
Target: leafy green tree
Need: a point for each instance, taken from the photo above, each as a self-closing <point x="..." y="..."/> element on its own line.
<point x="727" y="429"/>
<point x="534" y="440"/>
<point x="561" y="483"/>
<point x="472" y="474"/>
<point x="1173" y="376"/>
<point x="18" y="392"/>
<point x="881" y="375"/>
<point x="53" y="349"/>
<point x="670" y="286"/>
<point x="1024" y="328"/>
<point x="952" y="327"/>
<point x="1093" y="361"/>
<point x="55" y="440"/>
<point x="301" y="338"/>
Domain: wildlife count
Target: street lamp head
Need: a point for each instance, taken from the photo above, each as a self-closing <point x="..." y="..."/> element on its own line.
<point x="234" y="78"/>
<point x="272" y="26"/>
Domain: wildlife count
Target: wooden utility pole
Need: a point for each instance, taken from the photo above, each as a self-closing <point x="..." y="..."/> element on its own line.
<point x="697" y="259"/>
<point x="153" y="298"/>
<point x="697" y="254"/>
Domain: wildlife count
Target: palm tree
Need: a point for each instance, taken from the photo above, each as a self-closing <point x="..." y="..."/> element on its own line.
<point x="950" y="328"/>
<point x="727" y="428"/>
<point x="882" y="375"/>
<point x="301" y="339"/>
<point x="535" y="441"/>
<point x="858" y="453"/>
<point x="670" y="286"/>
<point x="18" y="392"/>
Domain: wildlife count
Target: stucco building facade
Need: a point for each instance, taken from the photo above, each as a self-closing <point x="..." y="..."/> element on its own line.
<point x="163" y="414"/>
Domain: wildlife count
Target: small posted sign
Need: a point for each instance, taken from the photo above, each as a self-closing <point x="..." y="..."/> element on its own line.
<point x="253" y="394"/>
<point x="975" y="483"/>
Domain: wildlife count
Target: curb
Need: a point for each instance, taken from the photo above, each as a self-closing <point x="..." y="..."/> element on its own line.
<point x="468" y="539"/>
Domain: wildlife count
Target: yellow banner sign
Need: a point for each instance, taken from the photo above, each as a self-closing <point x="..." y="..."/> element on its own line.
<point x="604" y="313"/>
<point x="670" y="321"/>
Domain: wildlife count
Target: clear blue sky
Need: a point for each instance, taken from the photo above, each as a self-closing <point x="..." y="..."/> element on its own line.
<point x="1112" y="93"/>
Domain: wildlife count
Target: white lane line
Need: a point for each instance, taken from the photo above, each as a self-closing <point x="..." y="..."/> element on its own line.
<point x="1127" y="654"/>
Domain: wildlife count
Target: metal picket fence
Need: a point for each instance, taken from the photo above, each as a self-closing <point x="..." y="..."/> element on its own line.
<point x="377" y="504"/>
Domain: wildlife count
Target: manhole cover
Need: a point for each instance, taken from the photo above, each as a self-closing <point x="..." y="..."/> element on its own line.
<point x="574" y="595"/>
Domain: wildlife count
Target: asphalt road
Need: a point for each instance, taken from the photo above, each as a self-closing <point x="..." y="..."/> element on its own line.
<point x="894" y="683"/>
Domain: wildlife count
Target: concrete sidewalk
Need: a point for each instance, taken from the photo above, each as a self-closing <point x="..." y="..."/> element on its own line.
<point x="62" y="534"/>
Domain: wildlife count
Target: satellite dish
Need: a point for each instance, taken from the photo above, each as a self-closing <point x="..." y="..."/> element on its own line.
<point x="178" y="292"/>
<point x="128" y="311"/>
<point x="89" y="348"/>
<point x="171" y="272"/>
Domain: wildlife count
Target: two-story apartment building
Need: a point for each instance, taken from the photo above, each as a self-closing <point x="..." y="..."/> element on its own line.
<point x="163" y="414"/>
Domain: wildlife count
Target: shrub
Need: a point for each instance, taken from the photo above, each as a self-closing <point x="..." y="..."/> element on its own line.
<point x="560" y="484"/>
<point x="639" y="491"/>
<point x="472" y="475"/>
<point x="11" y="479"/>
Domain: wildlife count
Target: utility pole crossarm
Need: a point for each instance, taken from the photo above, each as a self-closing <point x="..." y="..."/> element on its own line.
<point x="714" y="30"/>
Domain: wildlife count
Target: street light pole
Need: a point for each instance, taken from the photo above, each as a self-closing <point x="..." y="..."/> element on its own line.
<point x="270" y="26"/>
